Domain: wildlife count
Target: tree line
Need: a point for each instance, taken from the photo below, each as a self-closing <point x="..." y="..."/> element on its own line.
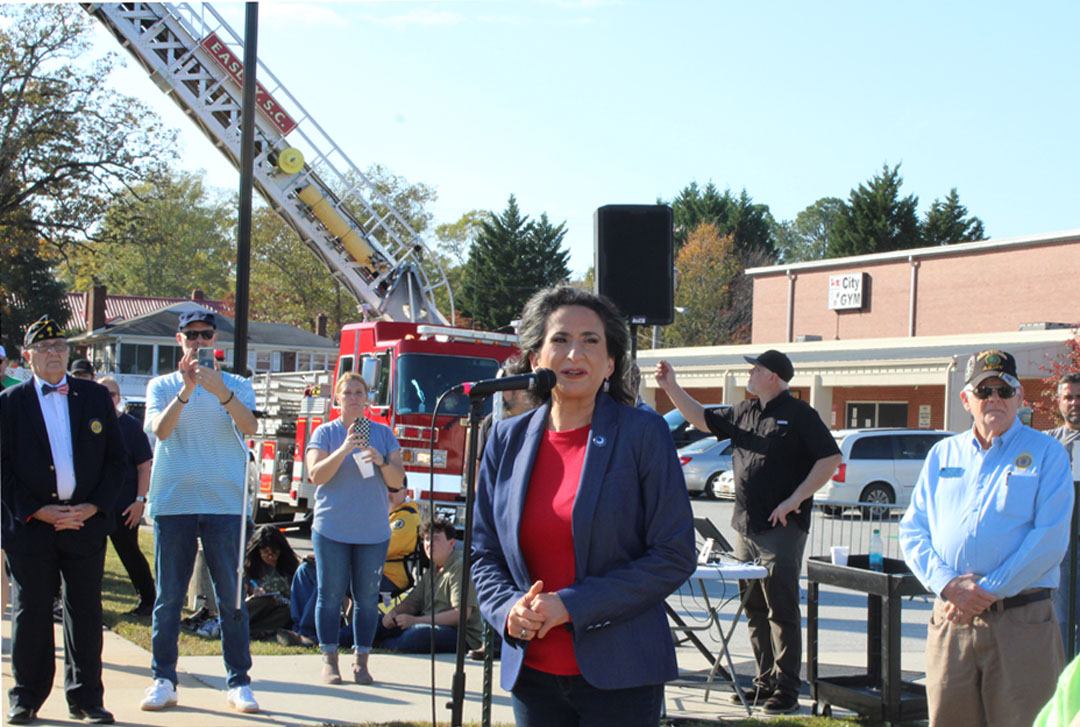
<point x="90" y="193"/>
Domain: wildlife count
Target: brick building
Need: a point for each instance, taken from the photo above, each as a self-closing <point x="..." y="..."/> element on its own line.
<point x="883" y="340"/>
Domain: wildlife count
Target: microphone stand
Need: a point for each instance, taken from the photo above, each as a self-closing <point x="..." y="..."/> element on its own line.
<point x="457" y="703"/>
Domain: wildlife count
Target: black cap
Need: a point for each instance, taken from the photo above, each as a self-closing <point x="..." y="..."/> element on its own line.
<point x="42" y="329"/>
<point x="81" y="366"/>
<point x="196" y="316"/>
<point x="774" y="361"/>
<point x="988" y="364"/>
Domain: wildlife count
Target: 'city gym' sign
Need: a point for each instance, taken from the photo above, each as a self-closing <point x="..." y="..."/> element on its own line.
<point x="846" y="291"/>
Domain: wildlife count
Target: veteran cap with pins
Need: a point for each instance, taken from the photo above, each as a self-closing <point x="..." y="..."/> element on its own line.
<point x="42" y="329"/>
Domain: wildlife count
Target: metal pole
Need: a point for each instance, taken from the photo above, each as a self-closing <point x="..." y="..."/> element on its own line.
<point x="247" y="166"/>
<point x="457" y="701"/>
<point x="1072" y="557"/>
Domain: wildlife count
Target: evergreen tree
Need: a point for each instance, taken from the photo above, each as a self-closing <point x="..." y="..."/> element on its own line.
<point x="28" y="287"/>
<point x="876" y="219"/>
<point x="947" y="222"/>
<point x="750" y="225"/>
<point x="511" y="258"/>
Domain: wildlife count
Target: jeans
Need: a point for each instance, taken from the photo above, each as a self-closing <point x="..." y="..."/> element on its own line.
<point x="303" y="596"/>
<point x="1061" y="601"/>
<point x="417" y="639"/>
<point x="175" y="547"/>
<point x="353" y="566"/>
<point x="548" y="700"/>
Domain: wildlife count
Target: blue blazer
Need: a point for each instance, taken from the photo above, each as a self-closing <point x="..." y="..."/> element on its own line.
<point x="26" y="464"/>
<point x="633" y="543"/>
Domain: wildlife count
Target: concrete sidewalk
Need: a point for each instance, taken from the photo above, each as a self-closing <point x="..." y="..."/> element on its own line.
<point x="289" y="692"/>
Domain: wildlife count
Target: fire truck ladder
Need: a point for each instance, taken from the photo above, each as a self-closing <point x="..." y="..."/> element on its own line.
<point x="335" y="208"/>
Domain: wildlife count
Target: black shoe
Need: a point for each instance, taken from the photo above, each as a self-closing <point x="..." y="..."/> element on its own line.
<point x="21" y="715"/>
<point x="781" y="703"/>
<point x="143" y="609"/>
<point x="753" y="695"/>
<point x="91" y="715"/>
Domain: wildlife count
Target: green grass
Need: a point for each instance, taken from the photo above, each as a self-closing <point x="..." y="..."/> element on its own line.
<point x="118" y="596"/>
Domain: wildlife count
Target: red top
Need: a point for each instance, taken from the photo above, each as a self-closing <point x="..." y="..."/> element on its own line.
<point x="547" y="537"/>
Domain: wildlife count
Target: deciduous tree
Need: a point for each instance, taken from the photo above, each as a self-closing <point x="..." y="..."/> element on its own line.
<point x="708" y="288"/>
<point x="69" y="145"/>
<point x="165" y="237"/>
<point x="807" y="237"/>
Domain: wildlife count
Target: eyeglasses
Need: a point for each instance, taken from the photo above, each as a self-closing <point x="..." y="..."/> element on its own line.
<point x="205" y="333"/>
<point x="55" y="347"/>
<point x="985" y="392"/>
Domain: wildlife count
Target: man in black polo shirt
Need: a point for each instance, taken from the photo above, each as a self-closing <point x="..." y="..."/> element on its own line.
<point x="783" y="454"/>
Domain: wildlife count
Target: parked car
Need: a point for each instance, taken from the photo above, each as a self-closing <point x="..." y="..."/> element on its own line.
<point x="703" y="462"/>
<point x="879" y="466"/>
<point x="682" y="431"/>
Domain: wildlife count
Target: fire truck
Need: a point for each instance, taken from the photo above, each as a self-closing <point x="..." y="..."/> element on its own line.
<point x="411" y="353"/>
<point x="408" y="367"/>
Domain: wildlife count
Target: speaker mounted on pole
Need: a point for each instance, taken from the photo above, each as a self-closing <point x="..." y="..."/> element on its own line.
<point x="634" y="261"/>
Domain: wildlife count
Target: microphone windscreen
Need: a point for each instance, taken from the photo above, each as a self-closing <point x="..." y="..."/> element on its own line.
<point x="545" y="380"/>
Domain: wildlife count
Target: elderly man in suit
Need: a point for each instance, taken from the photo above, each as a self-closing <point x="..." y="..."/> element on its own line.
<point x="62" y="459"/>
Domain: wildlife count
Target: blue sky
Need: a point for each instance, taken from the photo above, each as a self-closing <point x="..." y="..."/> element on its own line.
<point x="571" y="105"/>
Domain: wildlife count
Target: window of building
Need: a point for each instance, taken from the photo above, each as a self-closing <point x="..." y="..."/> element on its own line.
<point x="871" y="414"/>
<point x="168" y="357"/>
<point x="137" y="358"/>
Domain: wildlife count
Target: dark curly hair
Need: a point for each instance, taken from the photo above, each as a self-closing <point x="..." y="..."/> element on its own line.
<point x="534" y="321"/>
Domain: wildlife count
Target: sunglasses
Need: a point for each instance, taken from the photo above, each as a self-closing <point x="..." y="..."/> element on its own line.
<point x="204" y="333"/>
<point x="985" y="392"/>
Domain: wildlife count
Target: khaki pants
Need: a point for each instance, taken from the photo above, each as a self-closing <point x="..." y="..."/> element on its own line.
<point x="998" y="671"/>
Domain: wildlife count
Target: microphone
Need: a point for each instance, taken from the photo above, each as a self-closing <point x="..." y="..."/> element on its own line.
<point x="539" y="381"/>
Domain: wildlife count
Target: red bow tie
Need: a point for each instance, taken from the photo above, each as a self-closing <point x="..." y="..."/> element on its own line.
<point x="47" y="389"/>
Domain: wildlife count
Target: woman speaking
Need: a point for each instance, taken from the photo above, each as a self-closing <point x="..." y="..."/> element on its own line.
<point x="582" y="528"/>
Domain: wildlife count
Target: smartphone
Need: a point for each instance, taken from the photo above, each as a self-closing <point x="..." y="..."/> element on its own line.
<point x="206" y="357"/>
<point x="363" y="426"/>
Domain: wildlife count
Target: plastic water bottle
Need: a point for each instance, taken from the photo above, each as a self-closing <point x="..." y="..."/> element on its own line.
<point x="877" y="561"/>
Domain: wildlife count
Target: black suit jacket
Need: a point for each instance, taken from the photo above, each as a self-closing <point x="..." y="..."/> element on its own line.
<point x="26" y="463"/>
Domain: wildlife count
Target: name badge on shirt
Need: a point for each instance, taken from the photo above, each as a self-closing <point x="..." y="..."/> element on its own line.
<point x="952" y="472"/>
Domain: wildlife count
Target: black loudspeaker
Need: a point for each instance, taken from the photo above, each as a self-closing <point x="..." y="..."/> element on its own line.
<point x="634" y="261"/>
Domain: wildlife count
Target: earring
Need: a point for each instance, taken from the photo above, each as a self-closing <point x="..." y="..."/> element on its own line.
<point x="607" y="385"/>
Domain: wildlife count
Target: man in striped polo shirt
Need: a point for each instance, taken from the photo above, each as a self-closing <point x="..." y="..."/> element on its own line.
<point x="197" y="491"/>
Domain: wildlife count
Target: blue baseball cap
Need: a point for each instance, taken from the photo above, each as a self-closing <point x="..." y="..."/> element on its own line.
<point x="196" y="316"/>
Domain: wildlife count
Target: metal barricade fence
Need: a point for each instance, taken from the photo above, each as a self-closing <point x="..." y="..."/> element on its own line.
<point x="852" y="524"/>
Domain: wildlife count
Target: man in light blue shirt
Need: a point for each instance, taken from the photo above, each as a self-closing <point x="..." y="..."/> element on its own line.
<point x="197" y="490"/>
<point x="986" y="530"/>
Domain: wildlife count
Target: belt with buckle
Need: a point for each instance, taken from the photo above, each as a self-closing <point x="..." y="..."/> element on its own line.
<point x="1021" y="599"/>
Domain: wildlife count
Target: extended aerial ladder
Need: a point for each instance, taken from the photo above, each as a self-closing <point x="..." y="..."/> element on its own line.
<point x="195" y="58"/>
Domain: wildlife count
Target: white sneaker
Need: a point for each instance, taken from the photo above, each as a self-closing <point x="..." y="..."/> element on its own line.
<point x="159" y="695"/>
<point x="242" y="700"/>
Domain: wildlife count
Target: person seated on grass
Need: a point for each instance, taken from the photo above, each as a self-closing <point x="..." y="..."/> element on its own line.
<point x="304" y="595"/>
<point x="269" y="566"/>
<point x="407" y="626"/>
<point x="404" y="533"/>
